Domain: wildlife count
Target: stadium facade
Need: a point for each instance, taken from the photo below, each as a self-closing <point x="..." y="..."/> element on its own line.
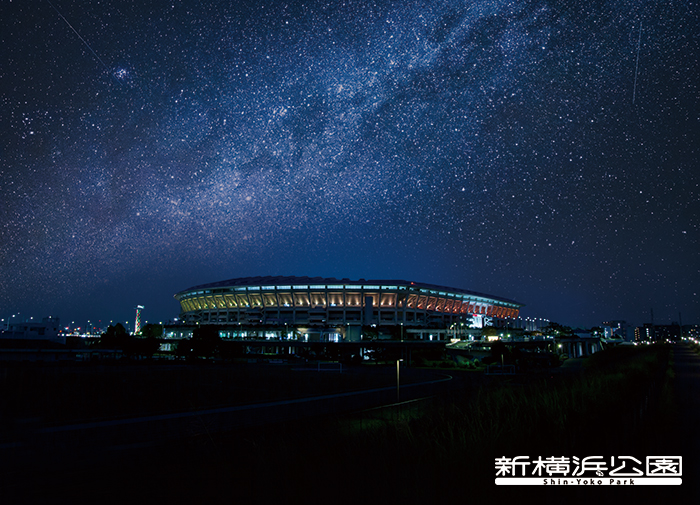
<point x="340" y="308"/>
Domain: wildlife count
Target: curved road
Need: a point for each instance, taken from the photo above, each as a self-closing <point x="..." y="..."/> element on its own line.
<point x="91" y="438"/>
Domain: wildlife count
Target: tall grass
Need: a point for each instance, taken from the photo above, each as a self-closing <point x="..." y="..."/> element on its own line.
<point x="430" y="451"/>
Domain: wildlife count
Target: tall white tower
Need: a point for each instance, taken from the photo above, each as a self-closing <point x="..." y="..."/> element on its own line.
<point x="137" y="324"/>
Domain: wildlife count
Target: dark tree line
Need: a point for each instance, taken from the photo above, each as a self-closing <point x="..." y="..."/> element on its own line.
<point x="116" y="337"/>
<point x="205" y="343"/>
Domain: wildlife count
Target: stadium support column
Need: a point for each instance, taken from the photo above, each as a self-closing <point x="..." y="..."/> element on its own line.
<point x="368" y="312"/>
<point x="353" y="333"/>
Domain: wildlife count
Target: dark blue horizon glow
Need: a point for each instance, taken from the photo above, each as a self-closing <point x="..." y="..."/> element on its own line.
<point x="540" y="151"/>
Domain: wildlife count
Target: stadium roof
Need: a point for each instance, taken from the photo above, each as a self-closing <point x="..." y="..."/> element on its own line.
<point x="278" y="280"/>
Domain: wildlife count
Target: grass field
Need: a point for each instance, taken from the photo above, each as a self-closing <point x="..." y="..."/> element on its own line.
<point x="54" y="394"/>
<point x="436" y="451"/>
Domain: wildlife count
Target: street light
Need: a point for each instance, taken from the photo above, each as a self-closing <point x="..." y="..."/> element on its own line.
<point x="10" y="318"/>
<point x="397" y="380"/>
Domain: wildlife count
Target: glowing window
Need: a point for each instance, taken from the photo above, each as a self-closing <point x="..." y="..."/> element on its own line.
<point x="336" y="299"/>
<point x="318" y="299"/>
<point x="301" y="299"/>
<point x="412" y="301"/>
<point x="388" y="300"/>
<point x="352" y="299"/>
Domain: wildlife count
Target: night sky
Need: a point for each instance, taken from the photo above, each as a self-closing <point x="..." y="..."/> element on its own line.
<point x="542" y="151"/>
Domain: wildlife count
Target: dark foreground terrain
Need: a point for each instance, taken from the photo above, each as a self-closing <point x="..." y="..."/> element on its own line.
<point x="437" y="447"/>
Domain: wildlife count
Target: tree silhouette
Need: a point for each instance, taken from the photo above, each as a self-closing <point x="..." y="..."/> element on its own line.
<point x="204" y="342"/>
<point x="116" y="337"/>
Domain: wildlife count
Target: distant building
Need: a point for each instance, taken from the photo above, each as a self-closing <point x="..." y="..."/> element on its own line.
<point x="616" y="329"/>
<point x="48" y="329"/>
<point x="328" y="309"/>
<point x="644" y="333"/>
<point x="661" y="332"/>
<point x="667" y="332"/>
<point x="528" y="323"/>
<point x="691" y="330"/>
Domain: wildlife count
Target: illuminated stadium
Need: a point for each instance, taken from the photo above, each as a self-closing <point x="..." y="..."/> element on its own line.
<point x="337" y="309"/>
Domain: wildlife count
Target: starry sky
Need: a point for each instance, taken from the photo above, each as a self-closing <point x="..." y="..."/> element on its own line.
<point x="543" y="151"/>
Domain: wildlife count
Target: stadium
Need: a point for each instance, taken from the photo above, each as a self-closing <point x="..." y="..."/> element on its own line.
<point x="329" y="309"/>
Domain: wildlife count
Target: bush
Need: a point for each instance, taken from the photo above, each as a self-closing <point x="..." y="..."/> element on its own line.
<point x="419" y="361"/>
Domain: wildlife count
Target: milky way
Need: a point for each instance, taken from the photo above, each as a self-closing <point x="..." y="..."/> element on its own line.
<point x="499" y="146"/>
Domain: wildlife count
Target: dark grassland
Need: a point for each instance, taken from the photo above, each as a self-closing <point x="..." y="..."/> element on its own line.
<point x="619" y="403"/>
<point x="55" y="394"/>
